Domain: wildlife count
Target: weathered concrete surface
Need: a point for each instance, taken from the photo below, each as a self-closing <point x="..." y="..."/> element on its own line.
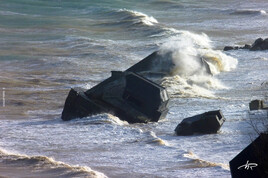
<point x="257" y="104"/>
<point x="127" y="95"/>
<point x="206" y="123"/>
<point x="252" y="161"/>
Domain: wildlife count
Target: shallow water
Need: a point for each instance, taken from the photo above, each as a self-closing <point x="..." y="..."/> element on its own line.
<point x="47" y="47"/>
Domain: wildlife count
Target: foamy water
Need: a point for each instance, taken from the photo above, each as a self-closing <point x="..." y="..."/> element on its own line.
<point x="47" y="47"/>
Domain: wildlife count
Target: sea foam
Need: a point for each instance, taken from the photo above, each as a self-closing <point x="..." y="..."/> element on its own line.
<point x="199" y="163"/>
<point x="189" y="77"/>
<point x="43" y="165"/>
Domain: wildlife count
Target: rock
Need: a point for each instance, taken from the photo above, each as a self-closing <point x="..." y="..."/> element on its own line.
<point x="206" y="123"/>
<point x="257" y="104"/>
<point x="253" y="160"/>
<point x="247" y="46"/>
<point x="259" y="44"/>
<point x="227" y="48"/>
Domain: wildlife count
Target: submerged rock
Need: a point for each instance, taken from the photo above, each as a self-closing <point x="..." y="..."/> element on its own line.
<point x="259" y="44"/>
<point x="227" y="48"/>
<point x="206" y="123"/>
<point x="253" y="160"/>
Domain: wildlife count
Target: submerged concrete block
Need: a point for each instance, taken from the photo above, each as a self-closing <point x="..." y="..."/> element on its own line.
<point x="206" y="123"/>
<point x="257" y="104"/>
<point x="78" y="105"/>
<point x="253" y="160"/>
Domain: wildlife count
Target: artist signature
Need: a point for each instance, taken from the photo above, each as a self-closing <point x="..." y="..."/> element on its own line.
<point x="248" y="166"/>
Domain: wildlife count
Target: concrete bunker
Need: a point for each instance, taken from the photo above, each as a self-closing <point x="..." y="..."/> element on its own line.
<point x="206" y="123"/>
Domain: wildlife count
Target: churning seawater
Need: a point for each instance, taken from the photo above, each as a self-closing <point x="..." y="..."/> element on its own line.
<point x="49" y="46"/>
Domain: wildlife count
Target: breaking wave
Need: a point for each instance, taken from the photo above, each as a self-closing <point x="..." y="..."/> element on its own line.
<point x="153" y="139"/>
<point x="195" y="65"/>
<point x="249" y="12"/>
<point x="197" y="162"/>
<point x="9" y="13"/>
<point x="44" y="166"/>
<point x="128" y="19"/>
<point x="134" y="17"/>
<point x="104" y="118"/>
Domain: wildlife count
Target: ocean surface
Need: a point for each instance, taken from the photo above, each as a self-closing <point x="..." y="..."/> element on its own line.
<point x="50" y="46"/>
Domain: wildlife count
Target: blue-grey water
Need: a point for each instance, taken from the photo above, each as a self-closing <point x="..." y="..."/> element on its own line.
<point x="50" y="46"/>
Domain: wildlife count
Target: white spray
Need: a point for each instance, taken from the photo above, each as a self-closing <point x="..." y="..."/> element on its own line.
<point x="190" y="77"/>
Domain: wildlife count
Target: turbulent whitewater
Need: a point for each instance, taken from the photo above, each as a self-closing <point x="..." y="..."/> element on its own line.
<point x="48" y="47"/>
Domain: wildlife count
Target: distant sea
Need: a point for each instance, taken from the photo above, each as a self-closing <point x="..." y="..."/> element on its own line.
<point x="50" y="46"/>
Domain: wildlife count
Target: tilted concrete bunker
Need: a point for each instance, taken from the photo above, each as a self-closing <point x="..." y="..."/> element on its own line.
<point x="131" y="95"/>
<point x="128" y="95"/>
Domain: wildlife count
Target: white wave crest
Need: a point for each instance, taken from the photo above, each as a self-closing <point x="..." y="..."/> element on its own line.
<point x="203" y="163"/>
<point x="104" y="118"/>
<point x="139" y="17"/>
<point x="151" y="138"/>
<point x="45" y="163"/>
<point x="9" y="13"/>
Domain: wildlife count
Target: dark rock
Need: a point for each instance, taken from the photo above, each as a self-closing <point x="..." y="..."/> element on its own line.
<point x="227" y="48"/>
<point x="252" y="161"/>
<point x="259" y="44"/>
<point x="247" y="46"/>
<point x="206" y="123"/>
<point x="257" y="104"/>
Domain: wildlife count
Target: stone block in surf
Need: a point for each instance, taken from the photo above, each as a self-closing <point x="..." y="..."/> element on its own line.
<point x="257" y="105"/>
<point x="206" y="123"/>
<point x="253" y="160"/>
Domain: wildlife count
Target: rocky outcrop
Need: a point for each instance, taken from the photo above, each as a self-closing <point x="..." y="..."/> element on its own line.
<point x="259" y="44"/>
